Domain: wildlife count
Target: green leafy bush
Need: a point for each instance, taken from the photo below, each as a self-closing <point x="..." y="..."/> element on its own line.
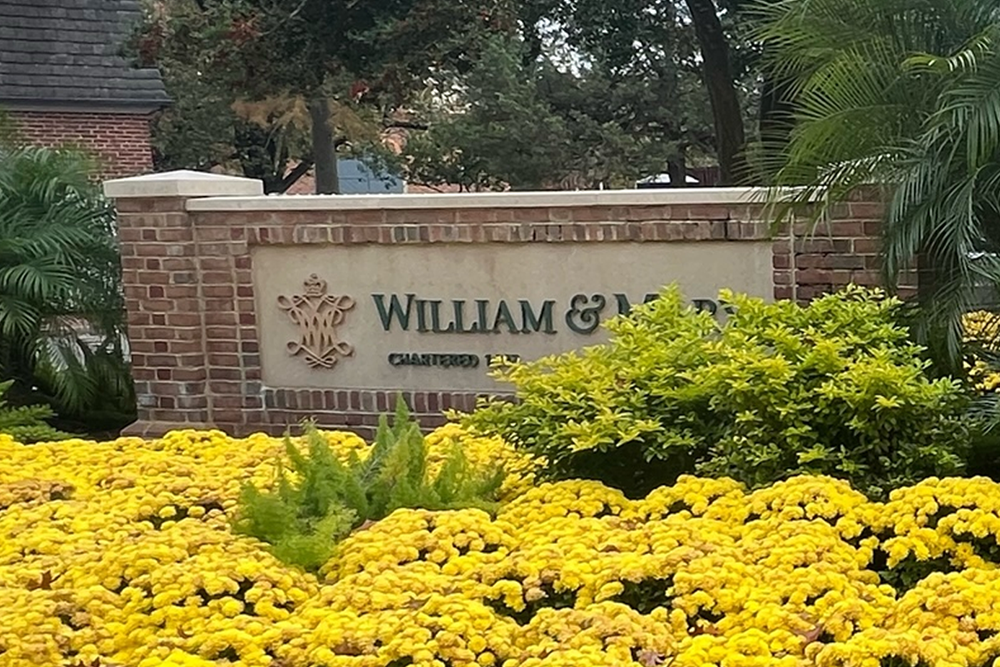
<point x="305" y="513"/>
<point x="62" y="312"/>
<point x="832" y="388"/>
<point x="27" y="424"/>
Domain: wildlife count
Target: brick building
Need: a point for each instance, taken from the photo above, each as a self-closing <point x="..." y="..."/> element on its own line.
<point x="64" y="80"/>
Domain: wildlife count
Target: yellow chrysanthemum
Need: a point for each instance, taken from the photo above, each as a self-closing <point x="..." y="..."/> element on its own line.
<point x="121" y="553"/>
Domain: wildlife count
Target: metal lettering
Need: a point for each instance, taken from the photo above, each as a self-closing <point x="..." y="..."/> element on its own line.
<point x="583" y="318"/>
<point x="394" y="311"/>
<point x="530" y="322"/>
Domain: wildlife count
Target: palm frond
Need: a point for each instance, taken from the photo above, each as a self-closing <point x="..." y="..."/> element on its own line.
<point x="59" y="262"/>
<point x="905" y="95"/>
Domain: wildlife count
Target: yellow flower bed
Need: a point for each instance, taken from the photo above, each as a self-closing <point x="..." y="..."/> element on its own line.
<point x="983" y="327"/>
<point x="120" y="553"/>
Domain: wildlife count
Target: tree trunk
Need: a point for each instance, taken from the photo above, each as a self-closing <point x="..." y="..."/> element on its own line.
<point x="776" y="108"/>
<point x="775" y="122"/>
<point x="677" y="170"/>
<point x="324" y="149"/>
<point x="729" y="137"/>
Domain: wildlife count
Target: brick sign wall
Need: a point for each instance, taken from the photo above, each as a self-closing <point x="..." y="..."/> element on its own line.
<point x="221" y="305"/>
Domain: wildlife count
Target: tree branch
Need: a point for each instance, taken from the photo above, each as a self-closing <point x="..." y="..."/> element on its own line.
<point x="292" y="177"/>
<point x="406" y="125"/>
<point x="281" y="23"/>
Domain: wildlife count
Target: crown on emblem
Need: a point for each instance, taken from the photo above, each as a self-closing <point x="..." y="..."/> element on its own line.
<point x="315" y="286"/>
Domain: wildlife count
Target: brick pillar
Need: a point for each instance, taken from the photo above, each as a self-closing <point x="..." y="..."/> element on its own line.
<point x="164" y="294"/>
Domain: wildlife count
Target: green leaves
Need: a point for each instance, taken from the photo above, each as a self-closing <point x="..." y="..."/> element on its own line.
<point x="321" y="499"/>
<point x="833" y="388"/>
<point x="60" y="280"/>
<point x="904" y="95"/>
<point x="624" y="102"/>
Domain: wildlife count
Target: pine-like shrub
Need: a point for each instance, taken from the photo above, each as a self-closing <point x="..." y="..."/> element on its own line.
<point x="27" y="424"/>
<point x="323" y="498"/>
<point x="833" y="388"/>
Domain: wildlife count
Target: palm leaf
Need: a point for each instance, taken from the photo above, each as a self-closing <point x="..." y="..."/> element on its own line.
<point x="902" y="94"/>
<point x="59" y="264"/>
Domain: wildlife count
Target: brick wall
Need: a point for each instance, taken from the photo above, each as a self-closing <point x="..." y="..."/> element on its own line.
<point x="192" y="310"/>
<point x="832" y="254"/>
<point x="119" y="141"/>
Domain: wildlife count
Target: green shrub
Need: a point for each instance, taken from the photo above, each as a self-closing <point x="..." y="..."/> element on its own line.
<point x="304" y="514"/>
<point x="27" y="424"/>
<point x="62" y="309"/>
<point x="833" y="388"/>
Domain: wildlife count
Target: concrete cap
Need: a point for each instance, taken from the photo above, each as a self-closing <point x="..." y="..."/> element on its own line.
<point x="651" y="197"/>
<point x="182" y="183"/>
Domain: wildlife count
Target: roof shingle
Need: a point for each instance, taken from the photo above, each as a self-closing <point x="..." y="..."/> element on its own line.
<point x="67" y="52"/>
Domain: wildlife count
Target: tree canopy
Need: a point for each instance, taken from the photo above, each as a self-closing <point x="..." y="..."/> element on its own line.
<point x="518" y="93"/>
<point x="339" y="57"/>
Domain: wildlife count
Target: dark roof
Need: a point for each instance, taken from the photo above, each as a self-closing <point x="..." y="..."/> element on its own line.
<point x="67" y="53"/>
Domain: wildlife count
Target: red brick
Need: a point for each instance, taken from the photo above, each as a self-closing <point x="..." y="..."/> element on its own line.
<point x="873" y="228"/>
<point x="188" y="374"/>
<point x="124" y="149"/>
<point x="183" y="319"/>
<point x="182" y="292"/>
<point x="819" y="244"/>
<point x="809" y="292"/>
<point x="475" y="215"/>
<point x="219" y="359"/>
<point x="872" y="262"/>
<point x="867" y="210"/>
<point x="807" y="276"/>
<point x="782" y="246"/>
<point x="844" y="228"/>
<point x="170" y="235"/>
<point x="708" y="212"/>
<point x="219" y="373"/>
<point x="365" y="217"/>
<point x="220" y="318"/>
<point x="222" y="332"/>
<point x="845" y="262"/>
<point x="868" y="278"/>
<point x="223" y="387"/>
<point x="184" y="346"/>
<point x="213" y="233"/>
<point x="864" y="246"/>
<point x="841" y="277"/>
<point x="162" y="361"/>
<point x="218" y="291"/>
<point x="813" y="260"/>
<point x="222" y="345"/>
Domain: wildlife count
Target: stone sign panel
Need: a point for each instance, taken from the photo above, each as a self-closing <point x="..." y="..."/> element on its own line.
<point x="431" y="317"/>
